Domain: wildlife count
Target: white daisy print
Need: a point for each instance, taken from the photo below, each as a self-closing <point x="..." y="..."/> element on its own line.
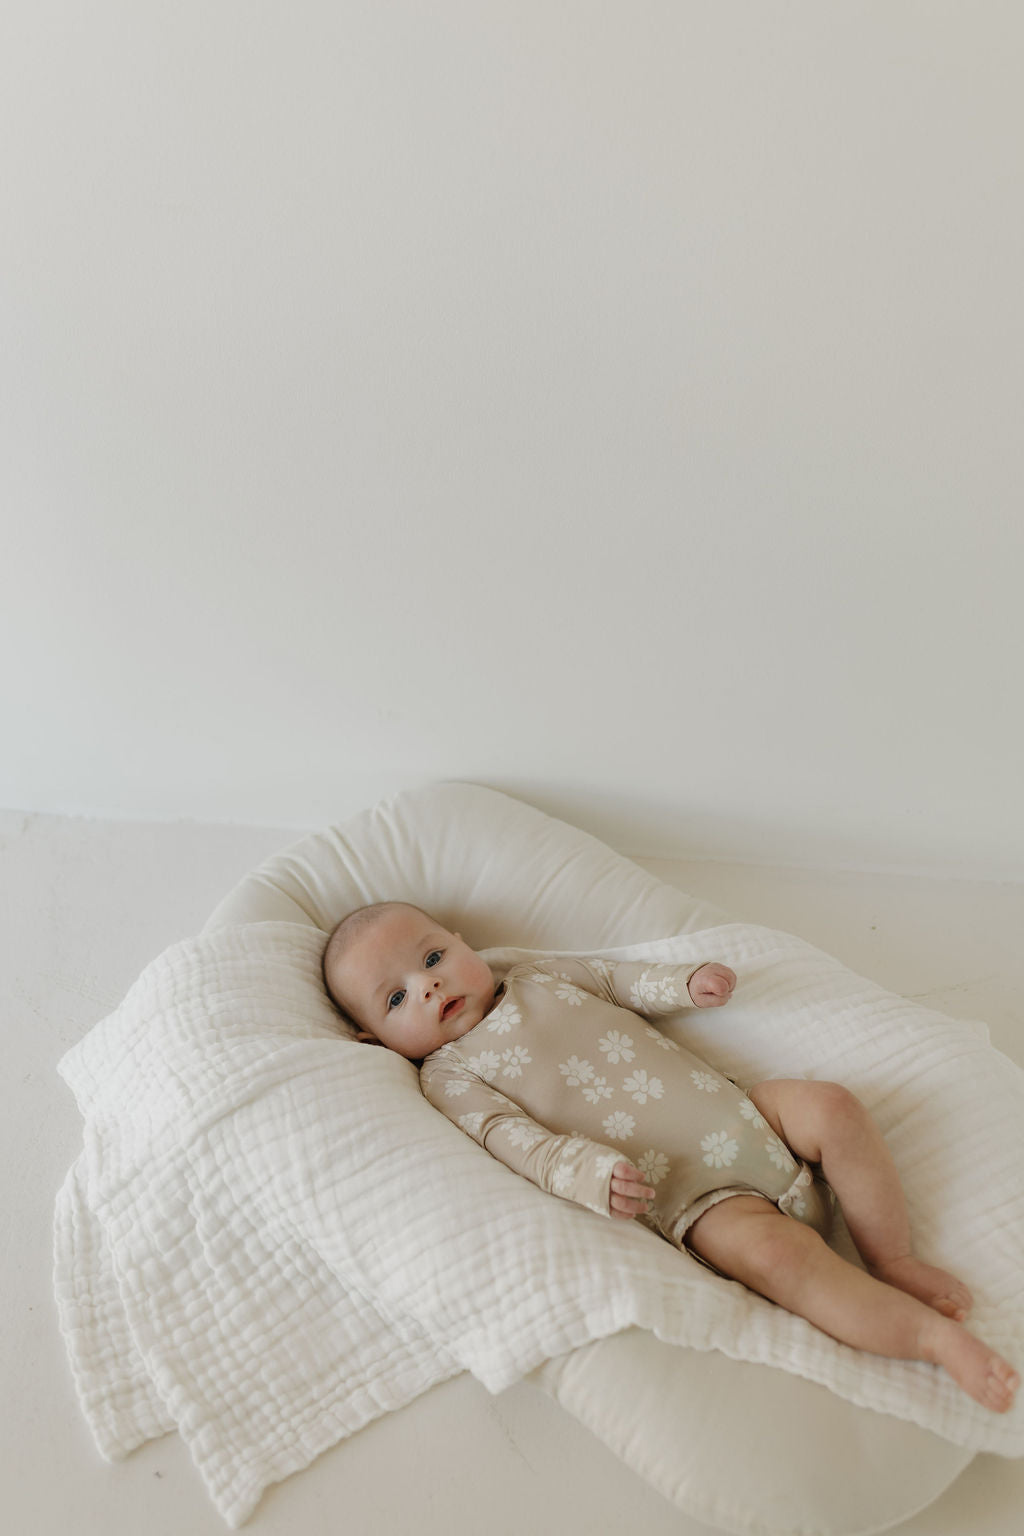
<point x="597" y="1090"/>
<point x="778" y="1154"/>
<point x="604" y="1164"/>
<point x="707" y="1082"/>
<point x="561" y="1179"/>
<point x="663" y="1040"/>
<point x="643" y="1087"/>
<point x="564" y="1175"/>
<point x="454" y="1087"/>
<point x="651" y="994"/>
<point x="502" y="1018"/>
<point x="515" y="1058"/>
<point x="575" y="1071"/>
<point x="568" y="991"/>
<point x="602" y="968"/>
<point x="472" y="1123"/>
<point x="619" y="1126"/>
<point x="750" y="1112"/>
<point x="793" y="1200"/>
<point x="486" y="1064"/>
<point x="653" y="1165"/>
<point x="525" y="1136"/>
<point x="617" y="1046"/>
<point x="719" y="1149"/>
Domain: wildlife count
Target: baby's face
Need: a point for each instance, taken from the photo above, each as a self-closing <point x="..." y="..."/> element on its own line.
<point x="413" y="985"/>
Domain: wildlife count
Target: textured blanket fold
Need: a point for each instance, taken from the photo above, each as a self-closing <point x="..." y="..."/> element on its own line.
<point x="270" y="1238"/>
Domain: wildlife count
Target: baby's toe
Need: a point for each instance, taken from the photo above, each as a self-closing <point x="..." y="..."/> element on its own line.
<point x="960" y="1299"/>
<point x="955" y="1301"/>
<point x="948" y="1294"/>
<point x="1001" y="1385"/>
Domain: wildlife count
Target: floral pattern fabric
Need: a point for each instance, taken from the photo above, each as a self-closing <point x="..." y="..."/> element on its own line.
<point x="569" y="1074"/>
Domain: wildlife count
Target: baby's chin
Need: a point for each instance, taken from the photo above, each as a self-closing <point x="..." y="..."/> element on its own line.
<point x="467" y="1020"/>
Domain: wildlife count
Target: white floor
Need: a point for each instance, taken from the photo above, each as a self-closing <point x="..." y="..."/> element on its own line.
<point x="85" y="904"/>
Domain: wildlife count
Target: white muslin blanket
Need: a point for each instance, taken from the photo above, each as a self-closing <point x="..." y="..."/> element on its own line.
<point x="271" y="1238"/>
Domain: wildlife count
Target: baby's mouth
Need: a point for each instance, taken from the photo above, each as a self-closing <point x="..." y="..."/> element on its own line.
<point x="451" y="1006"/>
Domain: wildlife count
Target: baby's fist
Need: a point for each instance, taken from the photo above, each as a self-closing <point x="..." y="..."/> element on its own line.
<point x="711" y="986"/>
<point x="629" y="1194"/>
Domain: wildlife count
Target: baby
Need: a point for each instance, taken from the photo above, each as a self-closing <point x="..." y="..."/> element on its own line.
<point x="744" y="1182"/>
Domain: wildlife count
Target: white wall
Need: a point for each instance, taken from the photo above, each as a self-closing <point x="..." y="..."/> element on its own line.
<point x="617" y="404"/>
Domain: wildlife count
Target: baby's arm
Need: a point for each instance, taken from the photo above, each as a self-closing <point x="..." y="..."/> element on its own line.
<point x="573" y="1167"/>
<point x="645" y="987"/>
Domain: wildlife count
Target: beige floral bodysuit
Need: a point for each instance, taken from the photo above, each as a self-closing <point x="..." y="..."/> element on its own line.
<point x="564" y="1078"/>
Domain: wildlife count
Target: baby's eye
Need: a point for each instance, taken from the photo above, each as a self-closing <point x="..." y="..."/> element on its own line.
<point x="434" y="957"/>
<point x="396" y="998"/>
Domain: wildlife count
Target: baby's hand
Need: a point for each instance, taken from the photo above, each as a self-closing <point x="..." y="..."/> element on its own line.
<point x="630" y="1194"/>
<point x="711" y="986"/>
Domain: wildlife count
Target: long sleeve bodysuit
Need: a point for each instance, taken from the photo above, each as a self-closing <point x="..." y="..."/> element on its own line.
<point x="564" y="1078"/>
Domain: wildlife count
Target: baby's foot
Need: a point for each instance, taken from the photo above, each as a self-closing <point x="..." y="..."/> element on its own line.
<point x="986" y="1376"/>
<point x="935" y="1287"/>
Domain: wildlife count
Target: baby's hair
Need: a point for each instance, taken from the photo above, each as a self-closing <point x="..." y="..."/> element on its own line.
<point x="342" y="934"/>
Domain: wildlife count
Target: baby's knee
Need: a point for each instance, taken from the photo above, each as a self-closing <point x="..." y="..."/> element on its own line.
<point x="751" y="1240"/>
<point x="780" y="1250"/>
<point x="837" y="1101"/>
<point x="809" y="1115"/>
<point x="832" y="1112"/>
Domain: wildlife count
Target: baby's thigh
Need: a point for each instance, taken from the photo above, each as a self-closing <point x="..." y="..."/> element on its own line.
<point x="749" y="1239"/>
<point x="805" y="1114"/>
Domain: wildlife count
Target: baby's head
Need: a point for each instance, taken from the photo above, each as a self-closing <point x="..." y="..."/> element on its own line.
<point x="404" y="980"/>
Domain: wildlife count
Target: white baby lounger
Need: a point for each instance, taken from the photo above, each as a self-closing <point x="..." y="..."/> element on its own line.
<point x="232" y="1192"/>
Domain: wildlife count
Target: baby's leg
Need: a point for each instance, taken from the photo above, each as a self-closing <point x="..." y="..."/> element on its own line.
<point x="826" y="1124"/>
<point x="781" y="1258"/>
